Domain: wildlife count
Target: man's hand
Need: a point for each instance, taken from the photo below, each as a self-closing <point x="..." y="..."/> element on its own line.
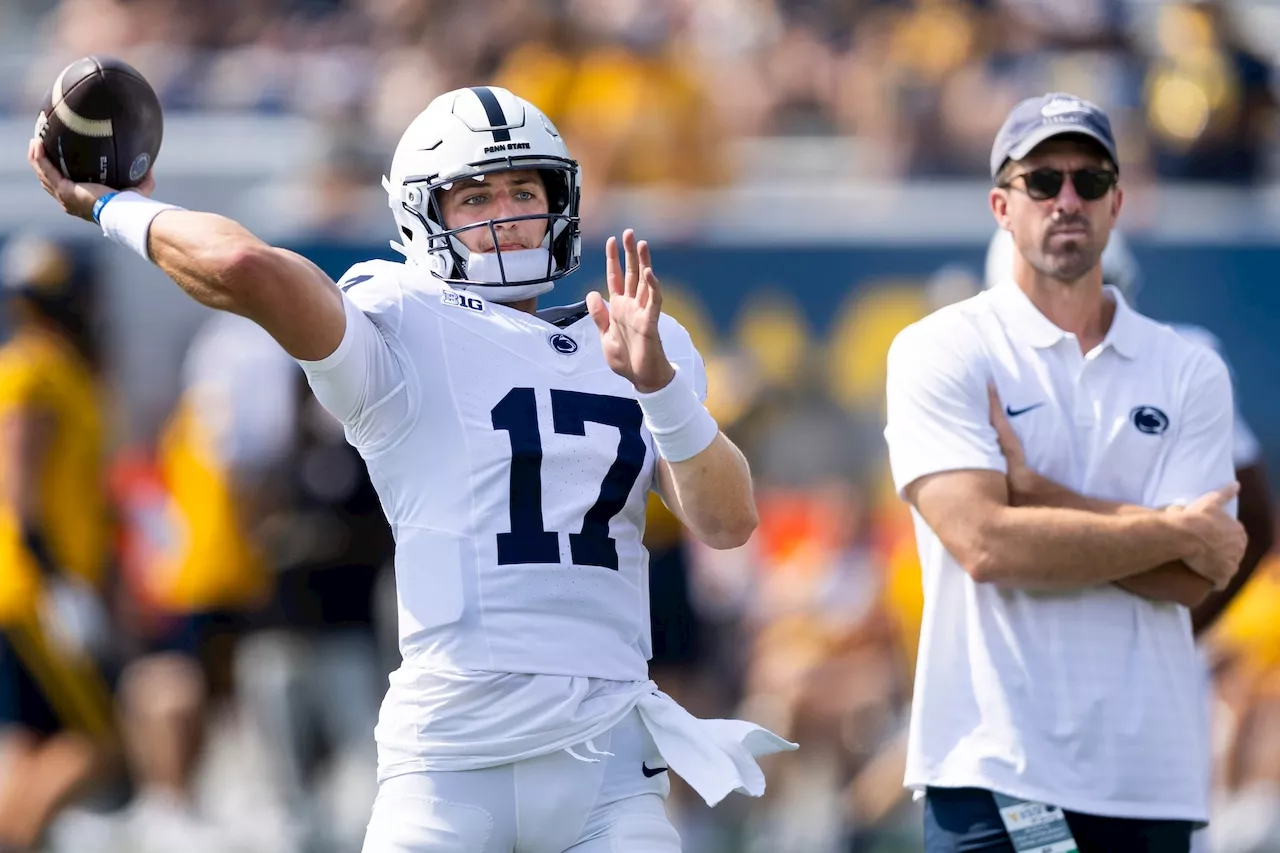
<point x="1024" y="483"/>
<point x="1222" y="539"/>
<point x="629" y="324"/>
<point x="76" y="199"/>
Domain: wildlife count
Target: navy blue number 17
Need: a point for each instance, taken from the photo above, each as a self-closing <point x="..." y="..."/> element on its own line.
<point x="529" y="541"/>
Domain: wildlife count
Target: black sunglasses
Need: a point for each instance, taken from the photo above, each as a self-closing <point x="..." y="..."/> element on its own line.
<point x="1091" y="183"/>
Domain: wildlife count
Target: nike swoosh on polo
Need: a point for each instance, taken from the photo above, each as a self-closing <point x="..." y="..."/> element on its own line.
<point x="650" y="773"/>
<point x="1013" y="413"/>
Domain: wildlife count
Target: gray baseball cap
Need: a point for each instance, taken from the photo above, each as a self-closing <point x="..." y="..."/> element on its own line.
<point x="1036" y="119"/>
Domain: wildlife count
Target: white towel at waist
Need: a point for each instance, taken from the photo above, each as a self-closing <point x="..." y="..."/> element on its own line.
<point x="714" y="756"/>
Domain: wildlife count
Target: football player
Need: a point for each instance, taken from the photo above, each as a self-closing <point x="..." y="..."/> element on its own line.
<point x="513" y="450"/>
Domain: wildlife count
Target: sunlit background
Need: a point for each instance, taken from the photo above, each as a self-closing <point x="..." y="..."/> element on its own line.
<point x="813" y="176"/>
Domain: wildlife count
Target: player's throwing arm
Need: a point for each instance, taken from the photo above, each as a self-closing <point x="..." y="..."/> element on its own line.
<point x="99" y="106"/>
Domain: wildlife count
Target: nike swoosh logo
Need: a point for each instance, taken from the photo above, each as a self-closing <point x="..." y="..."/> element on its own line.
<point x="1013" y="413"/>
<point x="644" y="768"/>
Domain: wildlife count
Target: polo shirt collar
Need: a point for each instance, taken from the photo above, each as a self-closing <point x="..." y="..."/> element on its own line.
<point x="1024" y="322"/>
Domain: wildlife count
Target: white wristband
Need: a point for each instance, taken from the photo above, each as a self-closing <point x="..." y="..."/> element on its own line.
<point x="126" y="219"/>
<point x="681" y="426"/>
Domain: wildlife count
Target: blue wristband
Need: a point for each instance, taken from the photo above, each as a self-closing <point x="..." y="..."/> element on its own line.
<point x="101" y="203"/>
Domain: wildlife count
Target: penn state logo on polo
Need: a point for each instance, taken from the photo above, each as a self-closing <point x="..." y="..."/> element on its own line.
<point x="563" y="344"/>
<point x="1149" y="419"/>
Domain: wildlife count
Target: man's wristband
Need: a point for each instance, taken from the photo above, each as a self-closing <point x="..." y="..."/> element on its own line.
<point x="681" y="426"/>
<point x="126" y="218"/>
<point x="101" y="203"/>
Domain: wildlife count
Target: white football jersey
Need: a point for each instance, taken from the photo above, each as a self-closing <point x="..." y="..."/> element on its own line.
<point x="514" y="468"/>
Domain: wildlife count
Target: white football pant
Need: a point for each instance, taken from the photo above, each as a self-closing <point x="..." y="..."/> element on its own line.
<point x="550" y="804"/>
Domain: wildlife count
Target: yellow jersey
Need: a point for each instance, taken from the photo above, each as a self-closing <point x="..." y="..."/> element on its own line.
<point x="211" y="562"/>
<point x="42" y="373"/>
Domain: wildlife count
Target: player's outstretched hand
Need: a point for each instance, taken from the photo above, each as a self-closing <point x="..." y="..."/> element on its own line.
<point x="76" y="199"/>
<point x="629" y="324"/>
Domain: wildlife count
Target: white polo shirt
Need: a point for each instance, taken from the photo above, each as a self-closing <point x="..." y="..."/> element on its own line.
<point x="1090" y="700"/>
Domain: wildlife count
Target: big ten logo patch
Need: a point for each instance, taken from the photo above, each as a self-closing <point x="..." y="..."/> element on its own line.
<point x="461" y="300"/>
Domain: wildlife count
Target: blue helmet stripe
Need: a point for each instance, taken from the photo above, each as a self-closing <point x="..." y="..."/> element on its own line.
<point x="493" y="110"/>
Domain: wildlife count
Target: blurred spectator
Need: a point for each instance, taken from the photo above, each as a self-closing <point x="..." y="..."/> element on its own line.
<point x="57" y="732"/>
<point x="1211" y="104"/>
<point x="656" y="93"/>
<point x="198" y="564"/>
<point x="313" y="680"/>
<point x="1246" y="650"/>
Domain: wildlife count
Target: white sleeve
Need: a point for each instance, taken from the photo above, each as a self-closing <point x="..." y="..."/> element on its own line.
<point x="364" y="382"/>
<point x="1201" y="457"/>
<point x="938" y="416"/>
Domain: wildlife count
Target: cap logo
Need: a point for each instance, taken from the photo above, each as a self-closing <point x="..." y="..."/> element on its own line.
<point x="1063" y="106"/>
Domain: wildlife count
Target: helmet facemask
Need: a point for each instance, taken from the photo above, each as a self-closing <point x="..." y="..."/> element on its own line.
<point x="500" y="276"/>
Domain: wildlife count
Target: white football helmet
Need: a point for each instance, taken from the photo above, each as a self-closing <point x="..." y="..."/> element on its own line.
<point x="1119" y="266"/>
<point x="467" y="134"/>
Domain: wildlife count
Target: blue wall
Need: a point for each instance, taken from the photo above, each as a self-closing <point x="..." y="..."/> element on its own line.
<point x="1229" y="289"/>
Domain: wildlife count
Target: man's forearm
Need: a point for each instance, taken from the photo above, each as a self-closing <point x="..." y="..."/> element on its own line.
<point x="1171" y="581"/>
<point x="1050" y="548"/>
<point x="1036" y="490"/>
<point x="712" y="493"/>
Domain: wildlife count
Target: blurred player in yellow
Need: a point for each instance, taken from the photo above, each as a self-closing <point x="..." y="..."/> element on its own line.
<point x="55" y="708"/>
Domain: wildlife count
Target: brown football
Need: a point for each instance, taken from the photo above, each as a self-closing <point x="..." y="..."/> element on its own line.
<point x="101" y="123"/>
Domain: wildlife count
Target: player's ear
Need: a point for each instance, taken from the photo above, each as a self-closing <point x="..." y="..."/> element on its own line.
<point x="1116" y="203"/>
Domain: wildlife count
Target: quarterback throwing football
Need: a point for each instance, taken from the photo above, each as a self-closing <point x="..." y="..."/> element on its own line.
<point x="513" y="450"/>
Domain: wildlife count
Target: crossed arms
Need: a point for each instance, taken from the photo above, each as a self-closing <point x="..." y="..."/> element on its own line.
<point x="1006" y="525"/>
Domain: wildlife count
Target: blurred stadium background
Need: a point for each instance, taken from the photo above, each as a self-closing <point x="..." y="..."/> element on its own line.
<point x="812" y="174"/>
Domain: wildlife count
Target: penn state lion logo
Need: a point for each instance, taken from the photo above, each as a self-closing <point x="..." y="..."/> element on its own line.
<point x="1150" y="420"/>
<point x="140" y="165"/>
<point x="563" y="344"/>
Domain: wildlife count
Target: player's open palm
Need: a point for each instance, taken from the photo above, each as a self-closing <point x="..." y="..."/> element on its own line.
<point x="629" y="323"/>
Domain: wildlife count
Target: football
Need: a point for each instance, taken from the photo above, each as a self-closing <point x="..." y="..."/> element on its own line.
<point x="101" y="123"/>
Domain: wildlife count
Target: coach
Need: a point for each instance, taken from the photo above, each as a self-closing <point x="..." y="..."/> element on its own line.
<point x="1058" y="703"/>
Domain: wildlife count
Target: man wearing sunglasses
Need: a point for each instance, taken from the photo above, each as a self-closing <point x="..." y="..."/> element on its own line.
<point x="1069" y="465"/>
